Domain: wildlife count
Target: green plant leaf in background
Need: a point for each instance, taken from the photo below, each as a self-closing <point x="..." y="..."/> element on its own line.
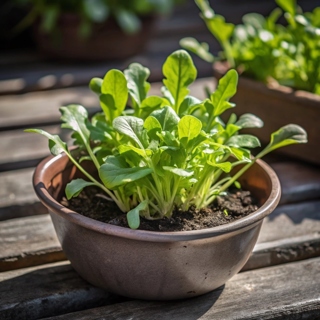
<point x="74" y="187"/>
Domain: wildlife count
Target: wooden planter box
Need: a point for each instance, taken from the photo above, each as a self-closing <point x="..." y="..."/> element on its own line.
<point x="278" y="106"/>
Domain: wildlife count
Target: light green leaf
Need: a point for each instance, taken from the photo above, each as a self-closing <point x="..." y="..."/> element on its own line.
<point x="167" y="117"/>
<point x="200" y="49"/>
<point x="224" y="166"/>
<point x="74" y="187"/>
<point x="114" y="95"/>
<point x="127" y="20"/>
<point x="189" y="127"/>
<point x="249" y="120"/>
<point x="227" y="88"/>
<point x="179" y="72"/>
<point x="243" y="141"/>
<point x="142" y="152"/>
<point x="115" y="172"/>
<point x="56" y="145"/>
<point x="131" y="127"/>
<point x="288" y="5"/>
<point x="178" y="171"/>
<point x="95" y="85"/>
<point x="133" y="216"/>
<point x="187" y="104"/>
<point x="137" y="76"/>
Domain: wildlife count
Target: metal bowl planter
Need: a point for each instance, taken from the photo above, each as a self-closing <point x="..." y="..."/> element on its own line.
<point x="278" y="105"/>
<point x="154" y="265"/>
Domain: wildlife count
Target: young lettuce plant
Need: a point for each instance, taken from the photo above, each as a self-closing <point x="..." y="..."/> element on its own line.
<point x="166" y="151"/>
<point x="264" y="49"/>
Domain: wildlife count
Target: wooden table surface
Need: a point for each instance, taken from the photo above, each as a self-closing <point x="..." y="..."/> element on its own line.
<point x="280" y="280"/>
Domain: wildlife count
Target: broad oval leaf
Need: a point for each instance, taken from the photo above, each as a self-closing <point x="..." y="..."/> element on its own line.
<point x="115" y="172"/>
<point x="167" y="117"/>
<point x="189" y="127"/>
<point x="74" y="187"/>
<point x="179" y="72"/>
<point x="133" y="216"/>
<point x="95" y="85"/>
<point x="114" y="95"/>
<point x="243" y="141"/>
<point x="249" y="120"/>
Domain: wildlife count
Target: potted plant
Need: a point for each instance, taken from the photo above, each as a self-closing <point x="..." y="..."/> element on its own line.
<point x="167" y="155"/>
<point x="279" y="66"/>
<point x="93" y="29"/>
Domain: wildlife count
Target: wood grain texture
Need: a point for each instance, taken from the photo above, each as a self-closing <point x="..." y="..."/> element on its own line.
<point x="17" y="197"/>
<point x="27" y="242"/>
<point x="39" y="292"/>
<point x="289" y="291"/>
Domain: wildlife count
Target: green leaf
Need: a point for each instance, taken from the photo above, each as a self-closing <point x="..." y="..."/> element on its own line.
<point x="131" y="127"/>
<point x="178" y="171"/>
<point x="96" y="10"/>
<point x="200" y="49"/>
<point x="56" y="145"/>
<point x="167" y="117"/>
<point x="125" y="148"/>
<point x="243" y="141"/>
<point x="189" y="127"/>
<point x="133" y="216"/>
<point x="75" y="117"/>
<point x="127" y="20"/>
<point x="224" y="166"/>
<point x="95" y="85"/>
<point x="115" y="172"/>
<point x="114" y="95"/>
<point x="289" y="134"/>
<point x="152" y="125"/>
<point x="249" y="120"/>
<point x="187" y="104"/>
<point x="179" y="72"/>
<point x="138" y="86"/>
<point x="74" y="187"/>
<point x="227" y="88"/>
<point x="288" y="5"/>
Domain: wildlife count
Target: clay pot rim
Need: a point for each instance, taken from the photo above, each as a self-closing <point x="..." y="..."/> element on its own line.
<point x="143" y="235"/>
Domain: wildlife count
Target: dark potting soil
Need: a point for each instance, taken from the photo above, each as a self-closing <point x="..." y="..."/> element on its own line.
<point x="225" y="209"/>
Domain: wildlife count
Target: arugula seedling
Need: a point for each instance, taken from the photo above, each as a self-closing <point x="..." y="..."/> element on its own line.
<point x="264" y="49"/>
<point x="166" y="151"/>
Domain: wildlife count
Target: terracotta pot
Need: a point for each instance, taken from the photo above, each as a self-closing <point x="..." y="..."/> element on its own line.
<point x="278" y="106"/>
<point x="106" y="41"/>
<point x="154" y="265"/>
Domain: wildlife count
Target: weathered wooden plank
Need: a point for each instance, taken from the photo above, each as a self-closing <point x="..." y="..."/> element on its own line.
<point x="299" y="181"/>
<point x="289" y="291"/>
<point x="283" y="238"/>
<point x="48" y="290"/>
<point x="17" y="197"/>
<point x="42" y="108"/>
<point x="27" y="242"/>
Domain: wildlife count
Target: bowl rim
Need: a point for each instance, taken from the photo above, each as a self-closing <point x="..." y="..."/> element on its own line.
<point x="237" y="226"/>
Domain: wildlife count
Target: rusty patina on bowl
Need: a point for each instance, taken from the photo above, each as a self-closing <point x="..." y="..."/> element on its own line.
<point x="154" y="265"/>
